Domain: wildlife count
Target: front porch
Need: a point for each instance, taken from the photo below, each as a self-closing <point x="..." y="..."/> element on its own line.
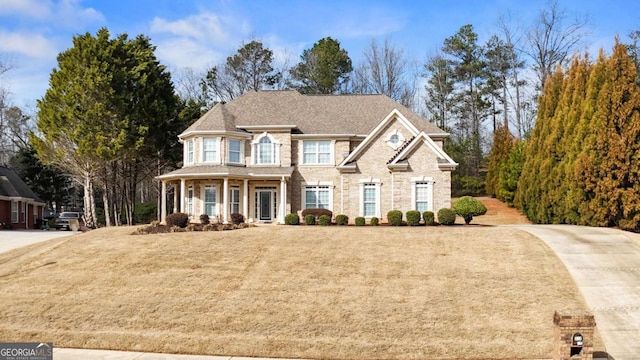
<point x="260" y="195"/>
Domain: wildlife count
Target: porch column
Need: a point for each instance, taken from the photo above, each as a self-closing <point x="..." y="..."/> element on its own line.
<point x="163" y="202"/>
<point x="175" y="198"/>
<point x="225" y="201"/>
<point x="182" y="192"/>
<point x="283" y="201"/>
<point x="245" y="200"/>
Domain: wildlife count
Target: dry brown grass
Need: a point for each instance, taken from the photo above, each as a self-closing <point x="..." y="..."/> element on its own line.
<point x="296" y="292"/>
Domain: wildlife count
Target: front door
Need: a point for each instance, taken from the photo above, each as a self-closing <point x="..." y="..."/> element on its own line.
<point x="264" y="207"/>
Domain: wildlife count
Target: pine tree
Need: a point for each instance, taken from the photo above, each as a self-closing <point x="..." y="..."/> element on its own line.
<point x="510" y="172"/>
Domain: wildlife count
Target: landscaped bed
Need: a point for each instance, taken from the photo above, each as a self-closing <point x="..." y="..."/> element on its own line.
<point x="291" y="291"/>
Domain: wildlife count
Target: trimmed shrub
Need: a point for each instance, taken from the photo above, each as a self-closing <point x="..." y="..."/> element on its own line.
<point x="177" y="219"/>
<point x="237" y="218"/>
<point x="324" y="220"/>
<point x="413" y="217"/>
<point x="292" y="219"/>
<point x="204" y="219"/>
<point x="374" y="221"/>
<point x="209" y="227"/>
<point x="316" y="212"/>
<point x="310" y="219"/>
<point x="446" y="216"/>
<point x="394" y="217"/>
<point x="468" y="207"/>
<point x="429" y="218"/>
<point x="342" y="219"/>
<point x="360" y="221"/>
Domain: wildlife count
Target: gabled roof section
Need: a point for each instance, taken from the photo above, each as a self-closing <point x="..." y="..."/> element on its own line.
<point x="393" y="115"/>
<point x="311" y="114"/>
<point x="13" y="187"/>
<point x="444" y="161"/>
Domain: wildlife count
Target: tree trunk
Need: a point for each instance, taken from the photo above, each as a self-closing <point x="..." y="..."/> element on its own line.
<point x="89" y="203"/>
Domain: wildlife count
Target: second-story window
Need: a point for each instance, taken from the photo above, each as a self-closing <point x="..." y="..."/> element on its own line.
<point x="316" y="152"/>
<point x="189" y="157"/>
<point x="265" y="151"/>
<point x="234" y="151"/>
<point x="210" y="150"/>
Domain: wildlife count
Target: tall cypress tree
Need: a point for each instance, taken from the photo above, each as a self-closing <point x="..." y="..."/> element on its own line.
<point x="613" y="182"/>
<point x="536" y="168"/>
<point x="503" y="142"/>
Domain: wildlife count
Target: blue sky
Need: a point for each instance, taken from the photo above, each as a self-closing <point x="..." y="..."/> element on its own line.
<point x="201" y="33"/>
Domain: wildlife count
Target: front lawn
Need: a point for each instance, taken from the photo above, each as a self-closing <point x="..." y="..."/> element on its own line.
<point x="291" y="291"/>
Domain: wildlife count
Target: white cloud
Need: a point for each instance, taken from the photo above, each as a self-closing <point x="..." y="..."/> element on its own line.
<point x="35" y="9"/>
<point x="29" y="44"/>
<point x="198" y="40"/>
<point x="67" y="13"/>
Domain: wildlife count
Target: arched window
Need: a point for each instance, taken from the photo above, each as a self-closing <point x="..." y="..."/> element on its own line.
<point x="265" y="150"/>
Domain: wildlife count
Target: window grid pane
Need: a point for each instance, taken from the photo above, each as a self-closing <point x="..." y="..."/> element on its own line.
<point x="210" y="200"/>
<point x="422" y="196"/>
<point x="209" y="152"/>
<point x="316" y="152"/>
<point x="317" y="197"/>
<point x="234" y="151"/>
<point x="369" y="200"/>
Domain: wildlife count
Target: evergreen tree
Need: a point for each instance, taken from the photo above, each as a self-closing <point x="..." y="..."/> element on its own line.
<point x="439" y="87"/>
<point x="510" y="171"/>
<point x="503" y="143"/>
<point x="537" y="165"/>
<point x="613" y="180"/>
<point x="324" y="68"/>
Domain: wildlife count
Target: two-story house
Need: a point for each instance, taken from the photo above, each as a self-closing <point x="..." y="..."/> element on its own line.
<point x="270" y="153"/>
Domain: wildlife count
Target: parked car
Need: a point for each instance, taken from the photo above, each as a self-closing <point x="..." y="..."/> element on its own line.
<point x="68" y="220"/>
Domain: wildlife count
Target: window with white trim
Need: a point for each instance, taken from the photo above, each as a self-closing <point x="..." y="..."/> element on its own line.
<point x="234" y="151"/>
<point x="370" y="197"/>
<point x="188" y="152"/>
<point x="14" y="212"/>
<point x="265" y="151"/>
<point x="24" y="212"/>
<point x="35" y="214"/>
<point x="189" y="205"/>
<point x="317" y="197"/>
<point x="210" y="200"/>
<point x="422" y="194"/>
<point x="316" y="152"/>
<point x="210" y="150"/>
<point x="234" y="199"/>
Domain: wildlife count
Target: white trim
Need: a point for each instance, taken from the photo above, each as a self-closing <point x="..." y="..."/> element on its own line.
<point x="187" y="143"/>
<point x="414" y="186"/>
<point x="376" y="183"/>
<point x="317" y="185"/>
<point x="243" y="134"/>
<point x="332" y="156"/>
<point x="203" y="202"/>
<point x="275" y="148"/>
<point x="448" y="163"/>
<point x="228" y="151"/>
<point x="217" y="149"/>
<point x="401" y="139"/>
<point x="189" y="202"/>
<point x="15" y="220"/>
<point x="394" y="114"/>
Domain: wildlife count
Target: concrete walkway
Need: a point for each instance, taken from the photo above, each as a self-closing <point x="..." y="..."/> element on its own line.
<point x="13" y="239"/>
<point x="605" y="265"/>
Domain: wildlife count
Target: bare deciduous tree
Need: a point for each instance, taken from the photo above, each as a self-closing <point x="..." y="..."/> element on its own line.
<point x="551" y="39"/>
<point x="386" y="70"/>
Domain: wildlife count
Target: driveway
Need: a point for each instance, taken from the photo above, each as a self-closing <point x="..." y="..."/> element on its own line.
<point x="605" y="264"/>
<point x="13" y="239"/>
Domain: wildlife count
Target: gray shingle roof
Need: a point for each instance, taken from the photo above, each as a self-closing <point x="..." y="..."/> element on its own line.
<point x="312" y="114"/>
<point x="12" y="186"/>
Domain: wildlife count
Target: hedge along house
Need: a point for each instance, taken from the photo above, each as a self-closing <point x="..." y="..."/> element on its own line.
<point x="20" y="207"/>
<point x="269" y="153"/>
